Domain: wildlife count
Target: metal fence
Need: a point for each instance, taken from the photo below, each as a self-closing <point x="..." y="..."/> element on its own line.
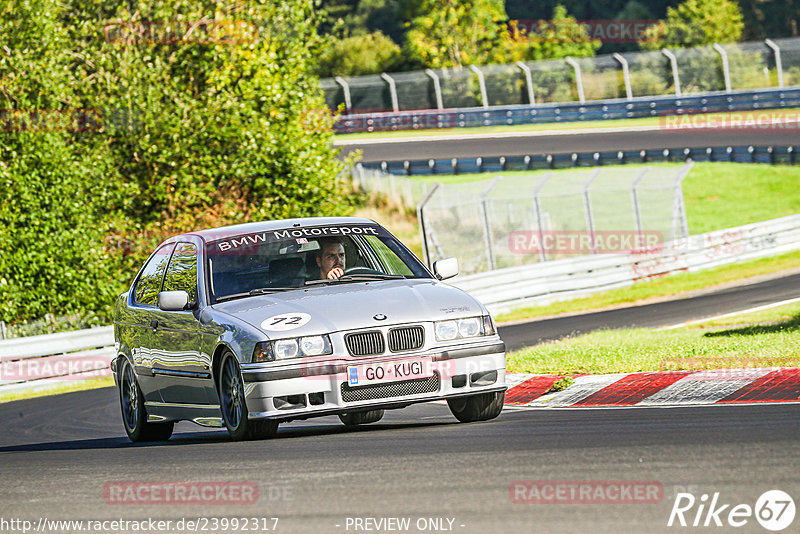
<point x="508" y="221"/>
<point x="620" y="108"/>
<point x="543" y="283"/>
<point x="679" y="72"/>
<point x="409" y="191"/>
<point x="50" y="360"/>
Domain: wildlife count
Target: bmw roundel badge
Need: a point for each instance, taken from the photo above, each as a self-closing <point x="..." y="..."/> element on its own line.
<point x="379" y="317"/>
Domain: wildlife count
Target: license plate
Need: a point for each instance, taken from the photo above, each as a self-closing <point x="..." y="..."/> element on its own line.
<point x="394" y="371"/>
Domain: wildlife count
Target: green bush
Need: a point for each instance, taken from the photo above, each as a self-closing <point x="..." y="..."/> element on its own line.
<point x="372" y="53"/>
<point x="123" y="125"/>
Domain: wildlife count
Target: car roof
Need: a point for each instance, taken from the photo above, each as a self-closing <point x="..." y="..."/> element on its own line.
<point x="224" y="232"/>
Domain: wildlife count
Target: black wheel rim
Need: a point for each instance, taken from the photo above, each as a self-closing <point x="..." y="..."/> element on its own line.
<point x="130" y="398"/>
<point x="231" y="393"/>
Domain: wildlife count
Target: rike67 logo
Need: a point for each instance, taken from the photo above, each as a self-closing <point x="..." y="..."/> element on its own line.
<point x="774" y="510"/>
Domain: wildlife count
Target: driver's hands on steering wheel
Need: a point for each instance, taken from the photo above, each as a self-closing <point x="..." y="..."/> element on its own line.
<point x="335" y="273"/>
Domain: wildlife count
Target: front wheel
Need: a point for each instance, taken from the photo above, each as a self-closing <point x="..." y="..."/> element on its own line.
<point x="361" y="418"/>
<point x="134" y="416"/>
<point x="480" y="407"/>
<point x="234" y="408"/>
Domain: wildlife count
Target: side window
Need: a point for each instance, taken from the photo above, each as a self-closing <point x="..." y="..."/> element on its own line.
<point x="149" y="283"/>
<point x="182" y="272"/>
<point x="392" y="264"/>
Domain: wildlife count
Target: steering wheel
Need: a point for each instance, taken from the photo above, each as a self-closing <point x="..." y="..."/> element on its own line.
<point x="361" y="270"/>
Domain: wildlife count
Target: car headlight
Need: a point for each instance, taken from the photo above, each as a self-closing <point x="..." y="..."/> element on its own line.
<point x="446" y="330"/>
<point x="286" y="348"/>
<point x="469" y="327"/>
<point x="283" y="349"/>
<point x="313" y="345"/>
<point x="464" y="328"/>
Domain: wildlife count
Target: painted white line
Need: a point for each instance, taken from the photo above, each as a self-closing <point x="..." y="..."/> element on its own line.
<point x="732" y="314"/>
<point x="705" y="387"/>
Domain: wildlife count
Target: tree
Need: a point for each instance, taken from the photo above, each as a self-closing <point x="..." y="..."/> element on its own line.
<point x="696" y="23"/>
<point x="347" y="18"/>
<point x="371" y="53"/>
<point x="453" y="33"/>
<point x="124" y="124"/>
<point x="559" y="37"/>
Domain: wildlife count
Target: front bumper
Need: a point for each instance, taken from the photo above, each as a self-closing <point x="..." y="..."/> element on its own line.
<point x="298" y="391"/>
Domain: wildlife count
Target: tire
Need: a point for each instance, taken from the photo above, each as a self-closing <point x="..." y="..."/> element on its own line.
<point x="480" y="407"/>
<point x="234" y="407"/>
<point x="361" y="418"/>
<point x="134" y="416"/>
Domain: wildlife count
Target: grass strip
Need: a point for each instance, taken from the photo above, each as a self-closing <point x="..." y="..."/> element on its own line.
<point x="676" y="285"/>
<point x="766" y="339"/>
<point x="66" y="387"/>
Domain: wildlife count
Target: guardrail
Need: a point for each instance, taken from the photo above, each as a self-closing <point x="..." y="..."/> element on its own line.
<point x="542" y="283"/>
<point x="47" y="360"/>
<point x="43" y="361"/>
<point x="783" y="155"/>
<point x="570" y="112"/>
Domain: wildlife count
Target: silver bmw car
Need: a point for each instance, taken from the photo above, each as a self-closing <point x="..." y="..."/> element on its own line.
<point x="252" y="325"/>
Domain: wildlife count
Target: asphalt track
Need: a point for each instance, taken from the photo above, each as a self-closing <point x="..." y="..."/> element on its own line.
<point x="538" y="143"/>
<point x="659" y="314"/>
<point x="58" y="453"/>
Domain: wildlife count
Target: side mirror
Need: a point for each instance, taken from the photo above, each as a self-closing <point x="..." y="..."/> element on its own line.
<point x="446" y="268"/>
<point x="173" y="300"/>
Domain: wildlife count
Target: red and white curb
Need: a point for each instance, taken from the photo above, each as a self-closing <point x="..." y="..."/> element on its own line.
<point x="667" y="388"/>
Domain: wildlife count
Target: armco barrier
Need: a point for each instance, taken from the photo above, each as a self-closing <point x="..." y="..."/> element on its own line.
<point x="787" y="155"/>
<point x="651" y="106"/>
<point x="545" y="282"/>
<point x="43" y="361"/>
<point x="87" y="353"/>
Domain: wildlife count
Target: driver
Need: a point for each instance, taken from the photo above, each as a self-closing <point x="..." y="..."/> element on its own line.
<point x="330" y="258"/>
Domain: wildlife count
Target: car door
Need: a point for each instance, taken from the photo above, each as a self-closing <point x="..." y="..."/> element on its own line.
<point x="142" y="304"/>
<point x="181" y="370"/>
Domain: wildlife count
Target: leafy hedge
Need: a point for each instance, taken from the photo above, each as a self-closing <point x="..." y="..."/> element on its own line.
<point x="123" y="124"/>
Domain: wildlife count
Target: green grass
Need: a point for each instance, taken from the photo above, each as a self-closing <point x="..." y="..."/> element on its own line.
<point x="717" y="196"/>
<point x="56" y="390"/>
<point x="770" y="339"/>
<point x="667" y="286"/>
<point x="552" y="126"/>
<point x="770" y="316"/>
<point x="723" y="195"/>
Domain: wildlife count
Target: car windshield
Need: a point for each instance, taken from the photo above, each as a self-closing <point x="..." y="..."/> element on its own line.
<point x="285" y="259"/>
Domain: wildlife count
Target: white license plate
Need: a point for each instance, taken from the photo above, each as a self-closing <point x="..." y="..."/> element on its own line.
<point x="393" y="371"/>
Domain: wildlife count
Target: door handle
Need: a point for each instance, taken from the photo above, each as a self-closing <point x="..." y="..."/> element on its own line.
<point x="153" y="324"/>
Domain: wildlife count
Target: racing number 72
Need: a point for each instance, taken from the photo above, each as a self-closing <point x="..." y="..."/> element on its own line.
<point x="285" y="320"/>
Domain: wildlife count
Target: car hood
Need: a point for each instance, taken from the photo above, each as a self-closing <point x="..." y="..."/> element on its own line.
<point x="350" y="306"/>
